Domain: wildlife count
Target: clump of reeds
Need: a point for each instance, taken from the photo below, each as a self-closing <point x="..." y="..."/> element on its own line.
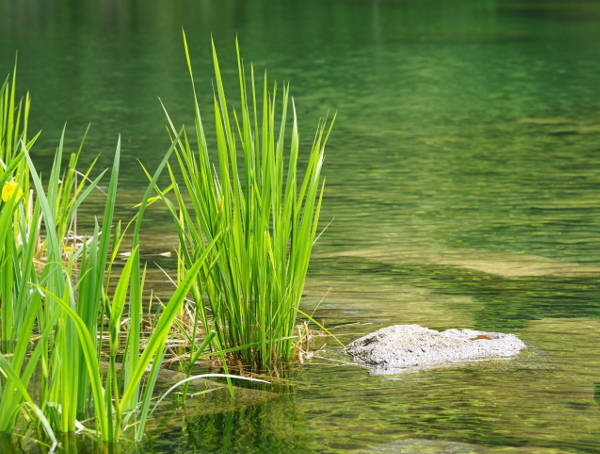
<point x="52" y="314"/>
<point x="263" y="208"/>
<point x="245" y="245"/>
<point x="120" y="401"/>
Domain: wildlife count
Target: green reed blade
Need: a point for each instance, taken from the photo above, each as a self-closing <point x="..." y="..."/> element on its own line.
<point x="161" y="330"/>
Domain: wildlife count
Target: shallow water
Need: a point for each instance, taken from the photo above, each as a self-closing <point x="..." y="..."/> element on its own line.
<point x="462" y="188"/>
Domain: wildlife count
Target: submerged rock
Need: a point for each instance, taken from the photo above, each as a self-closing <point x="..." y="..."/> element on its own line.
<point x="396" y="349"/>
<point x="506" y="264"/>
<point x="421" y="446"/>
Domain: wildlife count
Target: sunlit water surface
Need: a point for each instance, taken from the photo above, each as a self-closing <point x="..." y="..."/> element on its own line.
<point x="463" y="182"/>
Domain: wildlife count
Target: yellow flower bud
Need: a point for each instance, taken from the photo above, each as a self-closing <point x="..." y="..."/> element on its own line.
<point x="9" y="189"/>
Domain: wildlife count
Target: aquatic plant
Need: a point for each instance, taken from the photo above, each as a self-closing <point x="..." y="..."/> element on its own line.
<point x="266" y="217"/>
<point x="14" y="121"/>
<point x="20" y="306"/>
<point x="55" y="303"/>
<point x="25" y="310"/>
<point x="63" y="302"/>
<point x="119" y="398"/>
<point x="64" y="381"/>
<point x="17" y="244"/>
<point x="64" y="384"/>
<point x="25" y="248"/>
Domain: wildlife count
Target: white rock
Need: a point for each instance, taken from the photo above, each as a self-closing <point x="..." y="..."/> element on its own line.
<point x="398" y="348"/>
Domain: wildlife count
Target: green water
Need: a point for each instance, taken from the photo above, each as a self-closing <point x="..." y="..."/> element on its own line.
<point x="463" y="182"/>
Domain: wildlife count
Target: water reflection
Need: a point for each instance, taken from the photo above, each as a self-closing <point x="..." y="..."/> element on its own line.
<point x="271" y="426"/>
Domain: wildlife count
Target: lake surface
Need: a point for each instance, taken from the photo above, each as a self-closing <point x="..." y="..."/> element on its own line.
<point x="463" y="190"/>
